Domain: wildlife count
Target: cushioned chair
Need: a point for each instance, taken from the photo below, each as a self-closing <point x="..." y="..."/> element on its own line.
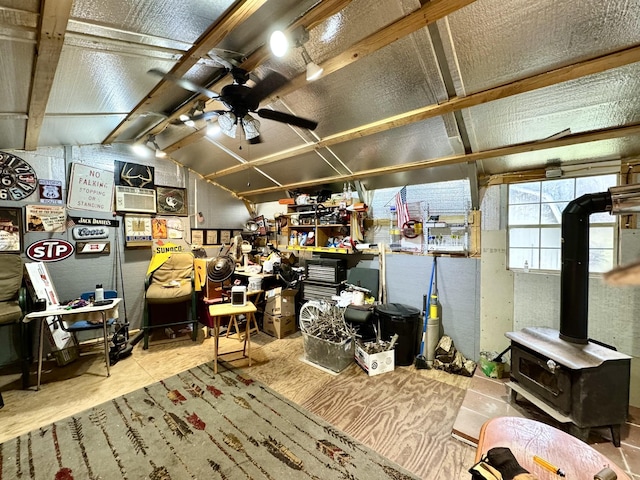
<point x="13" y="307"/>
<point x="172" y="282"/>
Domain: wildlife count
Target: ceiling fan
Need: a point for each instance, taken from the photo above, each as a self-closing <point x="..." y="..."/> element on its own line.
<point x="241" y="100"/>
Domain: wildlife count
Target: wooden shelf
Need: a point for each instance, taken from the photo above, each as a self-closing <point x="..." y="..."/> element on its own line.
<point x="316" y="249"/>
<point x="322" y="231"/>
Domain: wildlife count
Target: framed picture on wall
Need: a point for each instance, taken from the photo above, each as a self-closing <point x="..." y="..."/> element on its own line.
<point x="159" y="228"/>
<point x="10" y="230"/>
<point x="211" y="237"/>
<point x="225" y="236"/>
<point x="171" y="201"/>
<point x="197" y="237"/>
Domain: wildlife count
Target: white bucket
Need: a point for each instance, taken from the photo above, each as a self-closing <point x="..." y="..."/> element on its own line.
<point x="358" y="297"/>
<point x="255" y="283"/>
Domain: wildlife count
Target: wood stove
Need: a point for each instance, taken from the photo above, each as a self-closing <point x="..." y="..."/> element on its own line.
<point x="576" y="380"/>
<point x="582" y="385"/>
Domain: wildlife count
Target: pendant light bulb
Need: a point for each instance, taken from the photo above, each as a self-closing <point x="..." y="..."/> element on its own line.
<point x="279" y="43"/>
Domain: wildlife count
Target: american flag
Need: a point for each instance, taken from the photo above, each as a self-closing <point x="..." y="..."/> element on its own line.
<point x="402" y="211"/>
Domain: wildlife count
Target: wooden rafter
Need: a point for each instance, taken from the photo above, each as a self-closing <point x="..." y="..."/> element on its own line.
<point x="425" y="15"/>
<point x="585" y="137"/>
<point x="241" y="11"/>
<point x="52" y="25"/>
<point x="559" y="75"/>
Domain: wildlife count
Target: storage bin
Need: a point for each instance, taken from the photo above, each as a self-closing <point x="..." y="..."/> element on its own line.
<point x="333" y="356"/>
<point x="404" y="320"/>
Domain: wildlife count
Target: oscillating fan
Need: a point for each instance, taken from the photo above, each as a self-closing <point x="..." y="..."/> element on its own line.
<point x="220" y="268"/>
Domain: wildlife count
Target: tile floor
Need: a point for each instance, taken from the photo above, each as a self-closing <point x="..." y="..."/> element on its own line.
<point x="488" y="398"/>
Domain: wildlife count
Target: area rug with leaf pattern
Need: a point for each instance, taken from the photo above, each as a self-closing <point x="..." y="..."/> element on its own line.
<point x="196" y="424"/>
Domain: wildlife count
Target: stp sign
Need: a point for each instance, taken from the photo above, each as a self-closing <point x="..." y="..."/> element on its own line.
<point x="50" y="250"/>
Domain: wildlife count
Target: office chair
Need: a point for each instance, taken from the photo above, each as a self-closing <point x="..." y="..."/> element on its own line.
<point x="173" y="282"/>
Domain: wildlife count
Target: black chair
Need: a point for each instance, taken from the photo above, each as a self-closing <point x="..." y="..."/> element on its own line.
<point x="361" y="316"/>
<point x="13" y="308"/>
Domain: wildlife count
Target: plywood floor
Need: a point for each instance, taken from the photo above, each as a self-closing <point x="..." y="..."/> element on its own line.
<point x="406" y="415"/>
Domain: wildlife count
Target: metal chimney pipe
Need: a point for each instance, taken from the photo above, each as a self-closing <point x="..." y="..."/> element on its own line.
<point x="625" y="199"/>
<point x="574" y="272"/>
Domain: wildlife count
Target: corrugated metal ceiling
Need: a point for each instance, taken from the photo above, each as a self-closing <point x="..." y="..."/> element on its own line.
<point x="384" y="106"/>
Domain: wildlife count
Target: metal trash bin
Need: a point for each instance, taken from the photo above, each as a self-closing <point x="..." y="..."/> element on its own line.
<point x="404" y="320"/>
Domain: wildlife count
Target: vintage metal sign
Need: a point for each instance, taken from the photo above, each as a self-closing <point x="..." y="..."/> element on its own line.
<point x="83" y="232"/>
<point x="71" y="221"/>
<point x="93" y="247"/>
<point x="51" y="250"/>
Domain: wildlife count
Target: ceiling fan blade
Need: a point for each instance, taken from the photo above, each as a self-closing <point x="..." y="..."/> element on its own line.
<point x="186" y="84"/>
<point x="286" y="118"/>
<point x="255" y="140"/>
<point x="202" y="116"/>
<point x="207" y="115"/>
<point x="265" y="87"/>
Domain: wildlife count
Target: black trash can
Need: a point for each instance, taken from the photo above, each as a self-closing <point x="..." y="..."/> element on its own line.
<point x="404" y="320"/>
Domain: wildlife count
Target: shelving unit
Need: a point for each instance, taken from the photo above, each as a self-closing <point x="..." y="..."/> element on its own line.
<point x="311" y="223"/>
<point x="448" y="234"/>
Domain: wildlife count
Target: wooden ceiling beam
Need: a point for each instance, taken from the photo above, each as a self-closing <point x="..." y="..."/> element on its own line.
<point x="578" y="138"/>
<point x="52" y="25"/>
<point x="429" y="13"/>
<point x="241" y="11"/>
<point x="425" y="15"/>
<point x="546" y="79"/>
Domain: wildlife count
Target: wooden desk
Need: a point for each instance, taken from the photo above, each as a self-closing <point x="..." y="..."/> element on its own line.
<point x="103" y="312"/>
<point x="226" y="309"/>
<point x="527" y="438"/>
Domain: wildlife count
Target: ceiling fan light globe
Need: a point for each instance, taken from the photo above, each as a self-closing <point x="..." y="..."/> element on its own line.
<point x="279" y="43"/>
<point x="314" y="71"/>
<point x="251" y="127"/>
<point x="228" y="124"/>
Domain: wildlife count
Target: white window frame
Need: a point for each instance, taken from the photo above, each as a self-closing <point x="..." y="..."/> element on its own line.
<point x="537" y="246"/>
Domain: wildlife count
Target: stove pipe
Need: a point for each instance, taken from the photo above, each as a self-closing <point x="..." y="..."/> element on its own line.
<point x="574" y="273"/>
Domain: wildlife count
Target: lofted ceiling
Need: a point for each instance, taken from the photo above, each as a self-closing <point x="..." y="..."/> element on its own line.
<point x="412" y="92"/>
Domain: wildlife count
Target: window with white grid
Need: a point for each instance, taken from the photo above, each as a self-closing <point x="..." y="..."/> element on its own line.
<point x="535" y="217"/>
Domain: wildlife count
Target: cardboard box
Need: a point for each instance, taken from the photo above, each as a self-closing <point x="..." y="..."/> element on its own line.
<point x="280" y="302"/>
<point x="279" y="326"/>
<point x="376" y="363"/>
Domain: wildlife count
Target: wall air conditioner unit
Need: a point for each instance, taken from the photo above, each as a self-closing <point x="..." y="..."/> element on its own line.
<point x="134" y="199"/>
